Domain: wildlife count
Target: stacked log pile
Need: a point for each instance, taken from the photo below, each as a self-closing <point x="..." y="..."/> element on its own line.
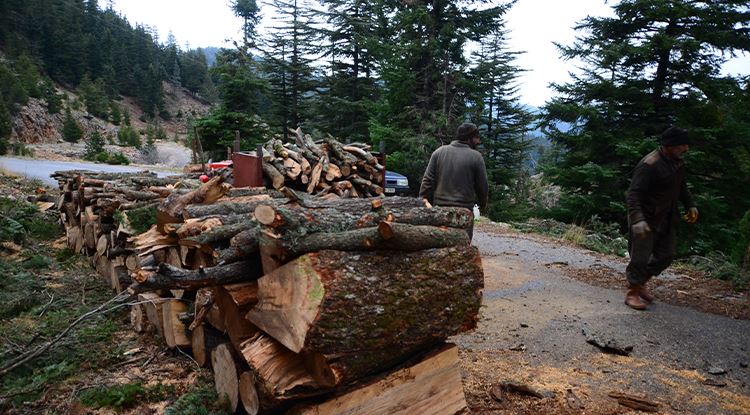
<point x="94" y="208"/>
<point x="326" y="168"/>
<point x="310" y="306"/>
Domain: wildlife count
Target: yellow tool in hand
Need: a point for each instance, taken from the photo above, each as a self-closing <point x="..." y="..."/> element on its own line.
<point x="691" y="216"/>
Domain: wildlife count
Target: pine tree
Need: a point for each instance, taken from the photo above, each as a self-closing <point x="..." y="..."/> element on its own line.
<point x="496" y="108"/>
<point x="348" y="86"/>
<point x="288" y="52"/>
<point x="72" y="132"/>
<point x="654" y="64"/>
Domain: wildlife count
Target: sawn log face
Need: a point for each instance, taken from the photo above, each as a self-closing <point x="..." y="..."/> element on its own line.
<point x="363" y="312"/>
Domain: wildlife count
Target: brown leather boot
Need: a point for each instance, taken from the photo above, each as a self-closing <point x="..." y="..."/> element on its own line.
<point x="633" y="299"/>
<point x="645" y="294"/>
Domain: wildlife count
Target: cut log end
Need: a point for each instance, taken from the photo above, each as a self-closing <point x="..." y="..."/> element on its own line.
<point x="265" y="214"/>
<point x="248" y="394"/>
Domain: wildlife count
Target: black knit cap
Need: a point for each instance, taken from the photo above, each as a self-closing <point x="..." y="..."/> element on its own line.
<point x="466" y="131"/>
<point x="674" y="136"/>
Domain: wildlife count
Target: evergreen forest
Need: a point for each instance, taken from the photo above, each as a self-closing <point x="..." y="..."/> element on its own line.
<point x="401" y="75"/>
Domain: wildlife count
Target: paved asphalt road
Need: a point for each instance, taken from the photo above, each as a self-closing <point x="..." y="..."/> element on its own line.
<point x="538" y="315"/>
<point x="42" y="169"/>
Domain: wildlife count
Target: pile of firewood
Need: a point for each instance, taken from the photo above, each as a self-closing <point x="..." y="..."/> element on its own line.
<point x="306" y="305"/>
<point x="94" y="208"/>
<point x="326" y="168"/>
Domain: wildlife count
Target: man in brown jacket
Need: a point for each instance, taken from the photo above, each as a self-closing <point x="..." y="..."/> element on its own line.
<point x="456" y="174"/>
<point x="658" y="183"/>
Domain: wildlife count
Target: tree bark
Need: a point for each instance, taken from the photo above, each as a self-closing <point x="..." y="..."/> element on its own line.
<point x="387" y="306"/>
<point x="168" y="276"/>
<point x="303" y="220"/>
<point x="386" y="236"/>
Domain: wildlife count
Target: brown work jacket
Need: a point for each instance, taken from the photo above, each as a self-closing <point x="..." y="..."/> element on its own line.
<point x="658" y="183"/>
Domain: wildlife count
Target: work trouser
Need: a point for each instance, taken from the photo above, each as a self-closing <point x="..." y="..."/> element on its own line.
<point x="649" y="256"/>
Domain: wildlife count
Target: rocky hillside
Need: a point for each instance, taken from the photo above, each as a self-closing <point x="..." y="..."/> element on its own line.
<point x="41" y="131"/>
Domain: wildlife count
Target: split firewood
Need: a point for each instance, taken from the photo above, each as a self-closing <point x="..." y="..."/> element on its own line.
<point x="175" y="331"/>
<point x="171" y="208"/>
<point x="372" y="300"/>
<point x="203" y="339"/>
<point x="431" y="385"/>
<point x="233" y="310"/>
<point x="280" y="375"/>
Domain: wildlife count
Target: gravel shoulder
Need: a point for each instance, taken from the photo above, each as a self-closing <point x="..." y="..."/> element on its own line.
<point x="537" y="317"/>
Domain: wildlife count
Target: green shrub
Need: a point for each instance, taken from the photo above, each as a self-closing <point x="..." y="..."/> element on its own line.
<point x="72" y="132"/>
<point x="141" y="219"/>
<point x="94" y="146"/>
<point x="20" y="149"/>
<point x="102" y="157"/>
<point x="718" y="265"/>
<point x="118" y="158"/>
<point x="37" y="262"/>
<point x="20" y="220"/>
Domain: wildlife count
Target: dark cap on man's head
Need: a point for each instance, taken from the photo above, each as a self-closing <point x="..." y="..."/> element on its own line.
<point x="674" y="136"/>
<point x="466" y="131"/>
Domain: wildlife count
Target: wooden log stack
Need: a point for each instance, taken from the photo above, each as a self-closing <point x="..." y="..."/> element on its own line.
<point x="325" y="168"/>
<point x="305" y="305"/>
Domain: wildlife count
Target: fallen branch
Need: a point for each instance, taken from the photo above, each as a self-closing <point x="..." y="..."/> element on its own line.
<point x="28" y="356"/>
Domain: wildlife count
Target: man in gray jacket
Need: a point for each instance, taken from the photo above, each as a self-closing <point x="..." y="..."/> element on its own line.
<point x="456" y="175"/>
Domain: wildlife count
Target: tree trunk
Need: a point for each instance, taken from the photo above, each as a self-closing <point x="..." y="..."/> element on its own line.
<point x="301" y="220"/>
<point x="386" y="236"/>
<point x="387" y="305"/>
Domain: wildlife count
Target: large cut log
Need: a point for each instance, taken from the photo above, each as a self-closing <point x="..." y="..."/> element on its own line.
<point x="280" y="375"/>
<point x="232" y="206"/>
<point x="168" y="276"/>
<point x="244" y="245"/>
<point x="386" y="305"/>
<point x="430" y="386"/>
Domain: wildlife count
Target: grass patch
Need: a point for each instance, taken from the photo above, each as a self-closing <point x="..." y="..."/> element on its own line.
<point x="200" y="400"/>
<point x="123" y="396"/>
<point x="594" y="235"/>
<point x="718" y="265"/>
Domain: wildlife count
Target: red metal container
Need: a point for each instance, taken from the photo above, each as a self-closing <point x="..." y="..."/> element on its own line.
<point x="247" y="170"/>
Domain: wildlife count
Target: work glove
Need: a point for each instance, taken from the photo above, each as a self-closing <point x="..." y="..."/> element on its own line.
<point x="692" y="215"/>
<point x="640" y="229"/>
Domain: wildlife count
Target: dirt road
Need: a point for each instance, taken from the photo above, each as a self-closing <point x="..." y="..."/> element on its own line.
<point x="534" y="327"/>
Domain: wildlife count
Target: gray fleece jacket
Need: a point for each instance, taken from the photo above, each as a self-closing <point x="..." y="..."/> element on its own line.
<point x="456" y="176"/>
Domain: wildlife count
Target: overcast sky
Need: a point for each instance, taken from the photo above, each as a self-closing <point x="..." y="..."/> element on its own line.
<point x="533" y="25"/>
